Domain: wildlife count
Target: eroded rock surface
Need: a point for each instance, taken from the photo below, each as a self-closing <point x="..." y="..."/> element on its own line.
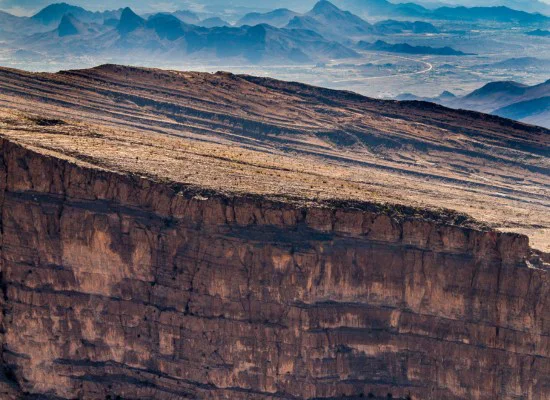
<point x="115" y="286"/>
<point x="169" y="235"/>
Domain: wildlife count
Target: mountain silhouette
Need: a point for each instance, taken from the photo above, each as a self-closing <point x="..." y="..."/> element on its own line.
<point x="69" y="26"/>
<point x="129" y="22"/>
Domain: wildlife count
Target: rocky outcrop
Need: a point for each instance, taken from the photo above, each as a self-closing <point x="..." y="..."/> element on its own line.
<point x="116" y="286"/>
<point x="493" y="169"/>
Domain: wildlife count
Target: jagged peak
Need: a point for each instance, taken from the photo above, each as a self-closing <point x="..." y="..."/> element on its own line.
<point x="53" y="12"/>
<point x="324" y="6"/>
<point x="129" y="21"/>
<point x="69" y="25"/>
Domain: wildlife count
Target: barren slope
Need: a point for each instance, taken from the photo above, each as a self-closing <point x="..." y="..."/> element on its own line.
<point x="257" y="135"/>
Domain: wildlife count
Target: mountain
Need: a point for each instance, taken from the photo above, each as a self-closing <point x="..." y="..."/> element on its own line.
<point x="535" y="111"/>
<point x="523" y="63"/>
<point x="499" y="14"/>
<point x="164" y="36"/>
<point x="278" y="18"/>
<point x="508" y="99"/>
<point x="180" y="235"/>
<point x="7" y="19"/>
<point x="373" y="8"/>
<point x="328" y="14"/>
<point x="539" y="32"/>
<point x="495" y="13"/>
<point x="14" y="25"/>
<point x="70" y="25"/>
<point x="496" y="95"/>
<point x="408" y="49"/>
<point x="330" y="21"/>
<point x="213" y="22"/>
<point x="444" y="96"/>
<point x="52" y="14"/>
<point x="71" y="37"/>
<point x="393" y="27"/>
<point x="189" y="17"/>
<point x="532" y="6"/>
<point x="166" y="26"/>
<point x="129" y="22"/>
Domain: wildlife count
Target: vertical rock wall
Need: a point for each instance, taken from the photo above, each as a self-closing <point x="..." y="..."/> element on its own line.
<point x="118" y="287"/>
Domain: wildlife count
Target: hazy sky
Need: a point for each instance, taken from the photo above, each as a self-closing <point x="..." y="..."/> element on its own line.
<point x="27" y="7"/>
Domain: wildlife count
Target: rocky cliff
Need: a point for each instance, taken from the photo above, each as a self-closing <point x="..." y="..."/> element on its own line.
<point x="115" y="286"/>
<point x="171" y="235"/>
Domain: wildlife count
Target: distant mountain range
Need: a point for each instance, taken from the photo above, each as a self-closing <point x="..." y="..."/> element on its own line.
<point x="324" y="33"/>
<point x="392" y="27"/>
<point x="279" y="18"/>
<point x="165" y="35"/>
<point x="524" y="63"/>
<point x="373" y="8"/>
<point x="532" y="6"/>
<point x="406" y="48"/>
<point x="530" y="104"/>
<point x="330" y="21"/>
<point x="321" y="34"/>
<point x="52" y="14"/>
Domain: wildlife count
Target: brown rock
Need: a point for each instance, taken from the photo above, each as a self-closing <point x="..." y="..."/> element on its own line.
<point x="121" y="287"/>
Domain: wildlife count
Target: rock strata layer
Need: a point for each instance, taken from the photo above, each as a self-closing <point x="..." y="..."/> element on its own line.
<point x="116" y="286"/>
<point x="172" y="235"/>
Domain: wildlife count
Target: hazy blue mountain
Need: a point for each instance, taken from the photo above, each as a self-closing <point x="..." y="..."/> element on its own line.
<point x="444" y="96"/>
<point x="496" y="95"/>
<point x="501" y="14"/>
<point x="213" y="22"/>
<point x="278" y="18"/>
<point x="327" y="13"/>
<point x="9" y="19"/>
<point x="305" y="22"/>
<point x="129" y="22"/>
<point x="52" y="14"/>
<point x="222" y="6"/>
<point x="508" y="99"/>
<point x="330" y="21"/>
<point x="112" y="22"/>
<point x="382" y="8"/>
<point x="165" y="36"/>
<point x="143" y="7"/>
<point x="11" y="25"/>
<point x="189" y="17"/>
<point x="70" y="25"/>
<point x="539" y="32"/>
<point x="535" y="111"/>
<point x="167" y="26"/>
<point x="461" y="13"/>
<point x="523" y="63"/>
<point x="406" y="48"/>
<point x="70" y="37"/>
<point x="392" y="26"/>
<point x="532" y="6"/>
<point x="430" y="4"/>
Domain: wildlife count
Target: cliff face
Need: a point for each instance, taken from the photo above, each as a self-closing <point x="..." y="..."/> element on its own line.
<point x="120" y="287"/>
